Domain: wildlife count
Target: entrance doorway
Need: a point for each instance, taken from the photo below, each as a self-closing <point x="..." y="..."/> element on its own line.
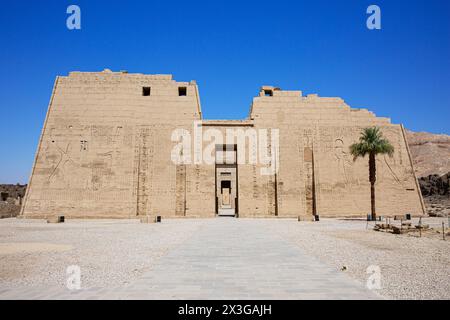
<point x="226" y="180"/>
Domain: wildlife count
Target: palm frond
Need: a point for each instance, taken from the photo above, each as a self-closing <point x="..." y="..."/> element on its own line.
<point x="371" y="141"/>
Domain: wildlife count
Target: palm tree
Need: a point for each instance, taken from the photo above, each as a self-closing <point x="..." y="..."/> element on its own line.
<point x="371" y="142"/>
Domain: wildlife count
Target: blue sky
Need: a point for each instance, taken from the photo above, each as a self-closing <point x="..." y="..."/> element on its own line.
<point x="230" y="48"/>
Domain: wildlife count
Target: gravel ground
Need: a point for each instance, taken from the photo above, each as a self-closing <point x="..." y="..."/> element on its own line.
<point x="110" y="252"/>
<point x="411" y="267"/>
<point x="113" y="253"/>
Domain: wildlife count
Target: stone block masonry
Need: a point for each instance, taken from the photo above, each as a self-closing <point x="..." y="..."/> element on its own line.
<point x="106" y="152"/>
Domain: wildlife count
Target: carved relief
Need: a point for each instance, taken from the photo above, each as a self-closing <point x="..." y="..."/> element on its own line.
<point x="343" y="159"/>
<point x="71" y="163"/>
<point x="89" y="155"/>
<point x="102" y="171"/>
<point x="347" y="180"/>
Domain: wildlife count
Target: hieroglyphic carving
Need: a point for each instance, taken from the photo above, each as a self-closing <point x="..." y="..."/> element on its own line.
<point x="142" y="171"/>
<point x="308" y="167"/>
<point x="102" y="170"/>
<point x="272" y="204"/>
<point x="254" y="183"/>
<point x="180" y="190"/>
<point x="91" y="166"/>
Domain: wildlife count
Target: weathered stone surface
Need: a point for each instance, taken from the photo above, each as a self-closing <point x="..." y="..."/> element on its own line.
<point x="13" y="190"/>
<point x="436" y="192"/>
<point x="430" y="153"/>
<point x="105" y="151"/>
<point x="11" y="196"/>
<point x="435" y="185"/>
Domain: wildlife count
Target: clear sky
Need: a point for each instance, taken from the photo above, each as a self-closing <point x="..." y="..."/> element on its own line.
<point x="230" y="48"/>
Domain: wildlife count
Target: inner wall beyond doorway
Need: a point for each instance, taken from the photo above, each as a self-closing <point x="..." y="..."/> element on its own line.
<point x="226" y="180"/>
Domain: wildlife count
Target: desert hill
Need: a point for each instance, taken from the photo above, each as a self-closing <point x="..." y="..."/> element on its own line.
<point x="430" y="153"/>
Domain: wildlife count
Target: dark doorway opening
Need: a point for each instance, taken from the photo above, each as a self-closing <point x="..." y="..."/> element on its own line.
<point x="225" y="184"/>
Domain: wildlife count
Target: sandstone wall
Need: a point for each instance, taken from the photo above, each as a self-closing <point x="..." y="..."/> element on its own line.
<point x="327" y="127"/>
<point x="105" y="151"/>
<point x="105" y="148"/>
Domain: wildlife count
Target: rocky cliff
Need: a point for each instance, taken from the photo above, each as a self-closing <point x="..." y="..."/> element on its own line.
<point x="430" y="153"/>
<point x="431" y="158"/>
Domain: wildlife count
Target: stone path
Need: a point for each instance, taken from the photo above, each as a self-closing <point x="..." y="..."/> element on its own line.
<point x="225" y="259"/>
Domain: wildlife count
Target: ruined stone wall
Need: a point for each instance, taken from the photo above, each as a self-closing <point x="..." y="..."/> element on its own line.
<point x="105" y="152"/>
<point x="315" y="135"/>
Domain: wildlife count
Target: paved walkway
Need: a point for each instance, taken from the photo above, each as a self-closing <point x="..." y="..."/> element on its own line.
<point x="226" y="259"/>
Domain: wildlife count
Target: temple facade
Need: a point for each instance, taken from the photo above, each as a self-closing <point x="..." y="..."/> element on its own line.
<point x="120" y="145"/>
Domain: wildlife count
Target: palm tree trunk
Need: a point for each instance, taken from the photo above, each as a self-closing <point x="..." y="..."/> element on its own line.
<point x="372" y="201"/>
<point x="372" y="178"/>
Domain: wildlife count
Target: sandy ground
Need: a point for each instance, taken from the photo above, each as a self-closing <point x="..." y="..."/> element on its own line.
<point x="411" y="267"/>
<point x="17" y="248"/>
<point x="116" y="252"/>
<point x="110" y="252"/>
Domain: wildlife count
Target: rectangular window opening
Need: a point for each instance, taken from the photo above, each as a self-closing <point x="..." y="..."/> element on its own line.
<point x="182" y="91"/>
<point x="268" y="93"/>
<point x="146" y="91"/>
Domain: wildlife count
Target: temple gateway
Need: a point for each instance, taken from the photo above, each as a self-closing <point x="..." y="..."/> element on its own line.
<point x="120" y="145"/>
